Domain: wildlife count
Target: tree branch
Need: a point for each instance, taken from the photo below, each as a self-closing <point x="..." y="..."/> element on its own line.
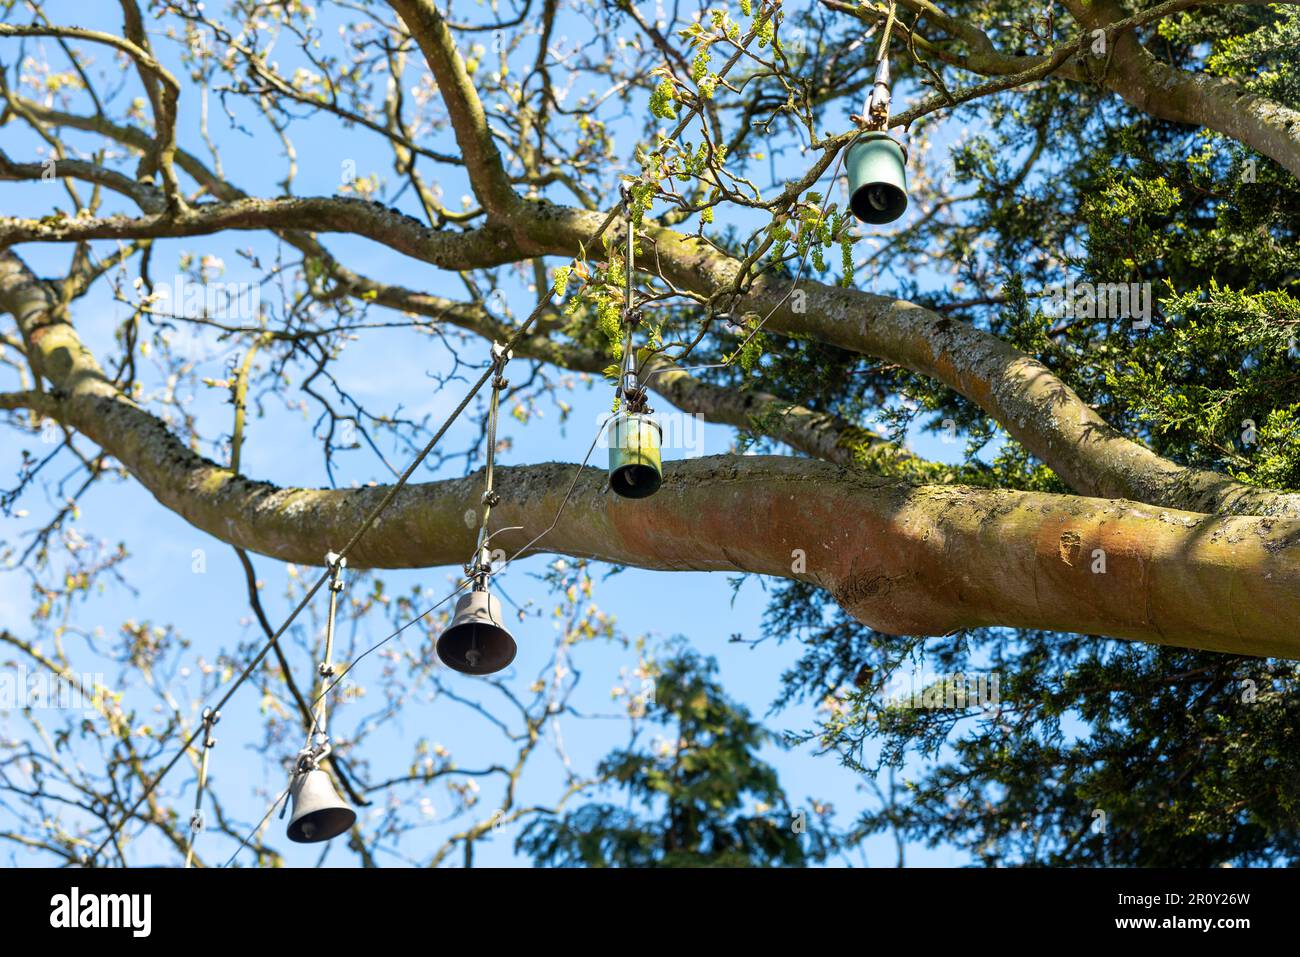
<point x="901" y="558"/>
<point x="482" y="160"/>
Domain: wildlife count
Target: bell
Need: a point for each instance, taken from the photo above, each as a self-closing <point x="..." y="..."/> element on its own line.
<point x="877" y="168"/>
<point x="476" y="642"/>
<point x="634" y="466"/>
<point x="319" y="814"/>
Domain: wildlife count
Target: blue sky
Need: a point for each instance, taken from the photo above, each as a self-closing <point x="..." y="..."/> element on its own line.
<point x="385" y="369"/>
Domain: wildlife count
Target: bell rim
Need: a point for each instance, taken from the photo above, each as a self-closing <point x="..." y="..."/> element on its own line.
<point x="874" y="219"/>
<point x="622" y="470"/>
<point x="295" y="829"/>
<point x="440" y="644"/>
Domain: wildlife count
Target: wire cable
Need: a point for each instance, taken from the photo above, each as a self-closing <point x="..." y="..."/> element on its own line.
<point x="260" y="824"/>
<point x="879" y="96"/>
<point x="559" y="512"/>
<point x="366" y="524"/>
<point x="210" y="718"/>
<point x="334" y="684"/>
<point x="467" y="581"/>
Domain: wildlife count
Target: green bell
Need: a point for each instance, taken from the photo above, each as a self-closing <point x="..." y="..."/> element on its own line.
<point x="877" y="168"/>
<point x="635" y="470"/>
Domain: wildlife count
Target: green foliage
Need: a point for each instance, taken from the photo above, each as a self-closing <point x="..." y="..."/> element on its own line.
<point x="663" y="100"/>
<point x="1189" y="758"/>
<point x="1265" y="58"/>
<point x="698" y="794"/>
<point x="561" y="277"/>
<point x="595" y="312"/>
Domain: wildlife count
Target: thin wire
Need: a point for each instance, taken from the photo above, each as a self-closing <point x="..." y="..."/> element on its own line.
<point x="567" y="495"/>
<point x="379" y="644"/>
<point x="319" y="720"/>
<point x="342" y="553"/>
<point x="149" y="789"/>
<point x="425" y="614"/>
<point x="260" y="824"/>
<point x="489" y="475"/>
<point x="343" y="674"/>
<point x="627" y="367"/>
<point x="210" y="718"/>
<point x="881" y="51"/>
<point x="467" y="581"/>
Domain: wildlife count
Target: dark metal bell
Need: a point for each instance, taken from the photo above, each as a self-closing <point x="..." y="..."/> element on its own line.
<point x="477" y="642"/>
<point x="319" y="814"/>
<point x="877" y="168"/>
<point x="635" y="469"/>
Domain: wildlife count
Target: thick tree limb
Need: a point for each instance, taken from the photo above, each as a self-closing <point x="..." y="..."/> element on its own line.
<point x="1022" y="394"/>
<point x="904" y="559"/>
<point x="1039" y="410"/>
<point x="468" y="249"/>
<point x="814" y="433"/>
<point x="1220" y="103"/>
<point x="818" y="434"/>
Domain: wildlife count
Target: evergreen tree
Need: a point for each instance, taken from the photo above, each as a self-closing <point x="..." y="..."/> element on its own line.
<point x="698" y="794"/>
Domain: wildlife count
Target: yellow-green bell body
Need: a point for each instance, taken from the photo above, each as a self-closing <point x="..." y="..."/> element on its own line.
<point x="635" y="469"/>
<point x="877" y="170"/>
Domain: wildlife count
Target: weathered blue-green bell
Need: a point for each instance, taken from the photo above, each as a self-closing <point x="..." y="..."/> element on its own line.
<point x="877" y="168"/>
<point x="635" y="470"/>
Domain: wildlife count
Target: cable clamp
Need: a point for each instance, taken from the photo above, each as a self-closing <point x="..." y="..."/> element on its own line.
<point x="878" y="104"/>
<point x="210" y="718"/>
<point x="335" y="563"/>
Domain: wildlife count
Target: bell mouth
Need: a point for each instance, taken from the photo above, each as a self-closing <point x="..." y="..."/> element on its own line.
<point x="476" y="649"/>
<point x="635" y="481"/>
<point x="878" y="203"/>
<point x="322" y="825"/>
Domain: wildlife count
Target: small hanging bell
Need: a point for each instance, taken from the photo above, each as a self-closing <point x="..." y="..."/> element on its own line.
<point x="477" y="642"/>
<point x="877" y="168"/>
<point x="635" y="469"/>
<point x="319" y="814"/>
